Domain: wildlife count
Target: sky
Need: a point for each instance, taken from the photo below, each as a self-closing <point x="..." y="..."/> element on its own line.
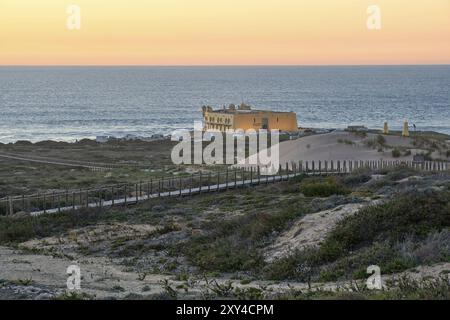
<point x="224" y="32"/>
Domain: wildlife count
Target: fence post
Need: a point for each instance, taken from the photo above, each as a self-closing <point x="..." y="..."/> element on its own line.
<point x="259" y="174"/>
<point x="190" y="184"/>
<point x="11" y="206"/>
<point x="287" y="170"/>
<point x="226" y="178"/>
<point x="218" y="180"/>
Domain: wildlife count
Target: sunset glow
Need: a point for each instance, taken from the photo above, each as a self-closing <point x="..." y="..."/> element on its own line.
<point x="232" y="32"/>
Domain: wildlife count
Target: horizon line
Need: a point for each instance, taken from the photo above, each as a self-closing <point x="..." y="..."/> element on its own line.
<point x="223" y="65"/>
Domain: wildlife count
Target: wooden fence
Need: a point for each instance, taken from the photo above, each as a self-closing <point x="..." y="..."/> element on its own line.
<point x="124" y="194"/>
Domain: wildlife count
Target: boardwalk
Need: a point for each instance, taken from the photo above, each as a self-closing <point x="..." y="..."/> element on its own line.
<point x="176" y="193"/>
<point x="123" y="194"/>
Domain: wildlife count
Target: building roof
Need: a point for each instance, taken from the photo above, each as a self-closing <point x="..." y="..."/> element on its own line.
<point x="247" y="110"/>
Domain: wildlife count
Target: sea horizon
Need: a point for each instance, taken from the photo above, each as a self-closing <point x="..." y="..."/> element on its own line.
<point x="68" y="103"/>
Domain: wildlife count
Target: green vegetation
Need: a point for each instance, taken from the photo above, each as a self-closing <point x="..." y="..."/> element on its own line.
<point x="345" y="141"/>
<point x="233" y="245"/>
<point x="322" y="187"/>
<point x="405" y="288"/>
<point x="381" y="140"/>
<point x="396" y="153"/>
<point x="376" y="235"/>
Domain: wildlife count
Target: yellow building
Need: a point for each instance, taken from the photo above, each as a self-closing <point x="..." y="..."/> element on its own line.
<point x="243" y="117"/>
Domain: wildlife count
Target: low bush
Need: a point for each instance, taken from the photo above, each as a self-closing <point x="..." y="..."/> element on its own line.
<point x="322" y="187"/>
<point x="375" y="235"/>
<point x="381" y="139"/>
<point x="233" y="245"/>
<point x="357" y="178"/>
<point x="396" y="153"/>
<point x="415" y="214"/>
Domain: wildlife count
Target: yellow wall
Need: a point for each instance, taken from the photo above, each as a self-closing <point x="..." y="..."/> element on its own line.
<point x="285" y="121"/>
<point x="282" y="121"/>
<point x="218" y="121"/>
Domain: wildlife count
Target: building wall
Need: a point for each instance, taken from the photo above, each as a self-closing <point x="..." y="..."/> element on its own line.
<point x="218" y="121"/>
<point x="285" y="121"/>
<point x="281" y="121"/>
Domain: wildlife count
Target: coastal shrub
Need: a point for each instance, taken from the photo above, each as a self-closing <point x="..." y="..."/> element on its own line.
<point x="233" y="245"/>
<point x="346" y="141"/>
<point x="381" y="140"/>
<point x="223" y="255"/>
<point x="357" y="177"/>
<point x="405" y="288"/>
<point x="415" y="214"/>
<point x="18" y="229"/>
<point x="322" y="187"/>
<point x="396" y="153"/>
<point x="423" y="289"/>
<point x="360" y="134"/>
<point x="399" y="173"/>
<point x="371" y="143"/>
<point x="376" y="235"/>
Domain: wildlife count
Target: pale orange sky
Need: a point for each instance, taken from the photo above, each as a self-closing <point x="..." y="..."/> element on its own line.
<point x="224" y="32"/>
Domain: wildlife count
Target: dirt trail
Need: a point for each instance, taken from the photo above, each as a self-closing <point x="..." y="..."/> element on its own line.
<point x="103" y="279"/>
<point x="310" y="230"/>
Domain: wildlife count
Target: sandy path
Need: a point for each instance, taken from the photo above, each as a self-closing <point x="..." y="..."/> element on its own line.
<point x="310" y="230"/>
<point x="100" y="277"/>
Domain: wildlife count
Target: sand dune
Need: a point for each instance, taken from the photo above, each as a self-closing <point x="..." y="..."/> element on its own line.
<point x="338" y="145"/>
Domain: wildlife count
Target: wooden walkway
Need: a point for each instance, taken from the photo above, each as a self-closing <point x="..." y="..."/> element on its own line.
<point x="124" y="194"/>
<point x="175" y="193"/>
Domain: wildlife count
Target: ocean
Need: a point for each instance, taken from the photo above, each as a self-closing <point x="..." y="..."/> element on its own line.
<point x="69" y="103"/>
